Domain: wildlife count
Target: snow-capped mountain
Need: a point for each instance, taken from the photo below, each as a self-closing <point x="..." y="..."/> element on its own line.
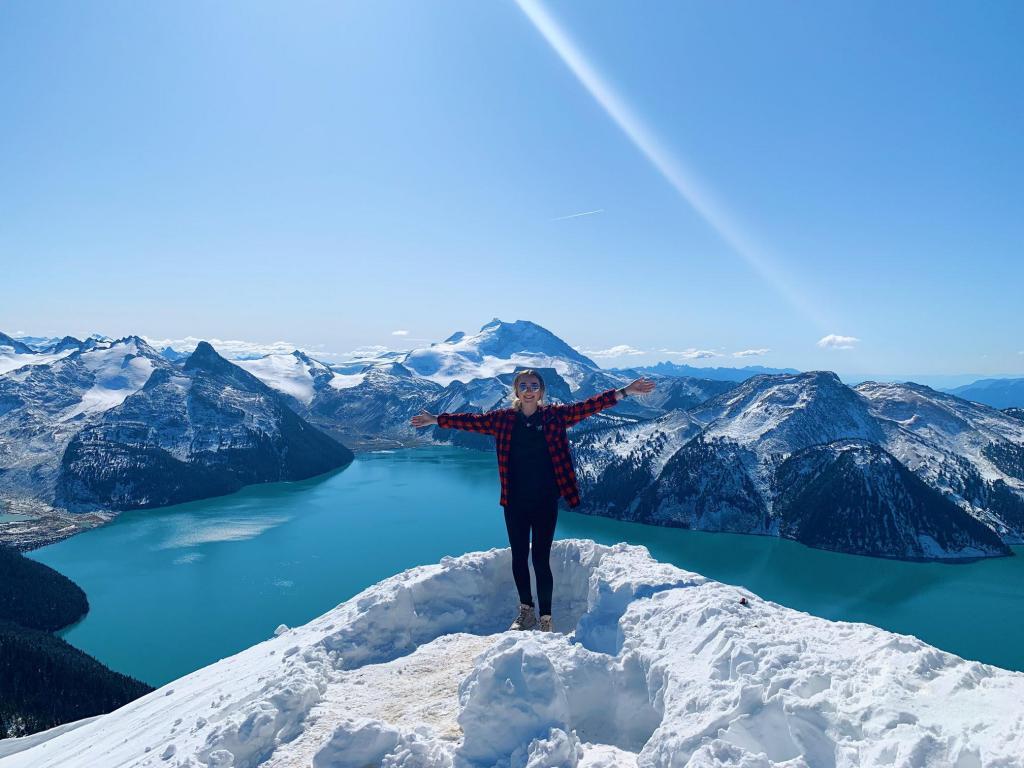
<point x="716" y="373"/>
<point x="296" y="375"/>
<point x="48" y="343"/>
<point x="173" y="355"/>
<point x="498" y="347"/>
<point x="16" y="347"/>
<point x="972" y="453"/>
<point x="204" y="430"/>
<point x="649" y="666"/>
<point x="724" y="479"/>
<point x="43" y="405"/>
<point x="773" y="413"/>
<point x="357" y="364"/>
<point x="70" y="343"/>
<point x="371" y="405"/>
<point x="614" y="466"/>
<point x="15" y="354"/>
<point x="717" y="473"/>
<point x="35" y="343"/>
<point x="373" y="402"/>
<point x="106" y="425"/>
<point x="694" y="452"/>
<point x="706" y="454"/>
<point x="722" y="466"/>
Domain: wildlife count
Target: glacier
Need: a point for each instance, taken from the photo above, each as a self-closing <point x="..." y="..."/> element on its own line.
<point x="650" y="665"/>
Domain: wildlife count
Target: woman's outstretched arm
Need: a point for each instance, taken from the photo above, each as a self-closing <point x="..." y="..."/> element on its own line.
<point x="469" y="422"/>
<point x="573" y="413"/>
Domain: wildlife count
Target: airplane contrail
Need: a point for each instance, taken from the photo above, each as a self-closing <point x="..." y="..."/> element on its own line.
<point x="681" y="178"/>
<point x="576" y="215"/>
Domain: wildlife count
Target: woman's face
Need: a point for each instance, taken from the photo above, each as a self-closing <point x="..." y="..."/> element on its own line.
<point x="529" y="389"/>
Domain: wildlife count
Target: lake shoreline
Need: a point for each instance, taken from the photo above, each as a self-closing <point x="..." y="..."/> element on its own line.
<point x="33" y="524"/>
<point x="240" y="565"/>
<point x="45" y="525"/>
<point x="954" y="561"/>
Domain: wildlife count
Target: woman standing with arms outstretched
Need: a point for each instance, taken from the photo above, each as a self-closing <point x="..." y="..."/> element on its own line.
<point x="535" y="469"/>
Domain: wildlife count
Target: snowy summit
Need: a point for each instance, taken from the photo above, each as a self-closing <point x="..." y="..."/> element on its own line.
<point x="650" y="665"/>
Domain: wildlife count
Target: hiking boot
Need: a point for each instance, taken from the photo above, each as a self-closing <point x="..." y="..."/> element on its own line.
<point x="526" y="619"/>
<point x="545" y="623"/>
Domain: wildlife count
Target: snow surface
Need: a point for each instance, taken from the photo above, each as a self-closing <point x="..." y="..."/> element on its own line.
<point x="293" y="374"/>
<point x="346" y="380"/>
<point x="11" y="360"/>
<point x="945" y="422"/>
<point x="118" y="371"/>
<point x="285" y="373"/>
<point x="676" y="428"/>
<point x="651" y="666"/>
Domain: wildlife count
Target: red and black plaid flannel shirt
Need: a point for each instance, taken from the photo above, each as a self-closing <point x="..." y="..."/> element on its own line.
<point x="556" y="419"/>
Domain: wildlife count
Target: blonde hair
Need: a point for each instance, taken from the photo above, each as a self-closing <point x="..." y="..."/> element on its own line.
<point x="516" y="402"/>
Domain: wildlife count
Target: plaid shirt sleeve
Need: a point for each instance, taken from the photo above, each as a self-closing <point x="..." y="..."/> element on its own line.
<point x="573" y="413"/>
<point x="469" y="422"/>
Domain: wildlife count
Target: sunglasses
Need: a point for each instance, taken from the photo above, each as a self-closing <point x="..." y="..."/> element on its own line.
<point x="523" y="386"/>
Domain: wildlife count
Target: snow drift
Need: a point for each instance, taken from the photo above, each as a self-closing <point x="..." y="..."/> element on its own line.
<point x="653" y="666"/>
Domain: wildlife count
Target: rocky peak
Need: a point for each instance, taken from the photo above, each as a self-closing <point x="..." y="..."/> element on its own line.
<point x="206" y="358"/>
<point x="19" y="347"/>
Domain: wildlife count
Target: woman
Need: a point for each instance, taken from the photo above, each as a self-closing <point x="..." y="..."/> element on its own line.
<point x="535" y="469"/>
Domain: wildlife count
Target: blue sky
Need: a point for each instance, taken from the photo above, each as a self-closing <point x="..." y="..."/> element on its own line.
<point x="764" y="176"/>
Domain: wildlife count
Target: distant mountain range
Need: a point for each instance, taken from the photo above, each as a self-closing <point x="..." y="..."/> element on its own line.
<point x="893" y="470"/>
<point x="999" y="393"/>
<point x="723" y="374"/>
<point x="372" y="406"/>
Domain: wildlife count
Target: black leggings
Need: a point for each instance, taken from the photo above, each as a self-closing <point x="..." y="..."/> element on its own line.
<point x="541" y="516"/>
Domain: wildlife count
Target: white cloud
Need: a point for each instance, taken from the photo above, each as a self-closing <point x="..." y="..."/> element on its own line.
<point x="399" y="333"/>
<point x="364" y="352"/>
<point x="835" y="341"/>
<point x="234" y="349"/>
<point x="619" y="350"/>
<point x="751" y="352"/>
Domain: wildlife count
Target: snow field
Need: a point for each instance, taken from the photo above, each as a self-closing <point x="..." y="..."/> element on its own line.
<point x="12" y="361"/>
<point x="285" y="373"/>
<point x="653" y="666"/>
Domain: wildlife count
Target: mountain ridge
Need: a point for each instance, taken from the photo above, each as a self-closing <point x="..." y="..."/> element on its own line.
<point x="63" y="422"/>
<point x="697" y="452"/>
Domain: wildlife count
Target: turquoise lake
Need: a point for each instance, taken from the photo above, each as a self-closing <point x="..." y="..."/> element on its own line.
<point x="177" y="588"/>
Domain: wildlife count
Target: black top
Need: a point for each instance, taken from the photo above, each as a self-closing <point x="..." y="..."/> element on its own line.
<point x="531" y="474"/>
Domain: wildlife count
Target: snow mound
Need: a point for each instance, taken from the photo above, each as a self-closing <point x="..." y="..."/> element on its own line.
<point x="650" y="666"/>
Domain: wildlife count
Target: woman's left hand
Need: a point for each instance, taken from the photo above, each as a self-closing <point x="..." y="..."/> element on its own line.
<point x="640" y="387"/>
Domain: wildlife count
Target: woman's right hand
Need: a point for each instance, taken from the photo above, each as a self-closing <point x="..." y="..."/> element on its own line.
<point x="423" y="419"/>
